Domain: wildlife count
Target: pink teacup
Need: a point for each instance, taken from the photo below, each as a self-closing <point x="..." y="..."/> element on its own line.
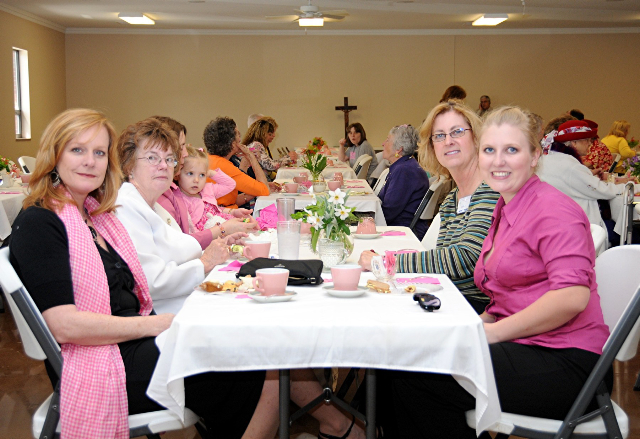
<point x="300" y="179"/>
<point x="292" y="188"/>
<point x="271" y="281"/>
<point x="305" y="228"/>
<point x="304" y="176"/>
<point x="346" y="277"/>
<point x="338" y="177"/>
<point x="256" y="249"/>
<point x="25" y="178"/>
<point x="334" y="184"/>
<point x="366" y="227"/>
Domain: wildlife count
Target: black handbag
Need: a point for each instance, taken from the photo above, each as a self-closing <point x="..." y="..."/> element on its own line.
<point x="301" y="272"/>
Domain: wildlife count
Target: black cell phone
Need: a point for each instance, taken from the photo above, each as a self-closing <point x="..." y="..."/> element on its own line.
<point x="427" y="301"/>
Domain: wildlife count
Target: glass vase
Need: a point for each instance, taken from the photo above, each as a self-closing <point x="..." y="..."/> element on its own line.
<point x="334" y="250"/>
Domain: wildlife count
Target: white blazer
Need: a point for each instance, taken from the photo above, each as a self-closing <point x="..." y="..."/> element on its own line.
<point x="169" y="258"/>
<point x="569" y="176"/>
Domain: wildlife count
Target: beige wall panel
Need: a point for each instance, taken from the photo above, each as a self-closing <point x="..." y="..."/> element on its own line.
<point x="46" y="80"/>
<point x="297" y="80"/>
<point x="550" y="74"/>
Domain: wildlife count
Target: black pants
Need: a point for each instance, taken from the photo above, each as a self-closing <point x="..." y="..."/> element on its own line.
<point x="225" y="400"/>
<point x="531" y="380"/>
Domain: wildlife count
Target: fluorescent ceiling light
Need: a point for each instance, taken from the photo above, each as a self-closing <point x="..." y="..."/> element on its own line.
<point x="133" y="18"/>
<point x="311" y="21"/>
<point x="490" y="19"/>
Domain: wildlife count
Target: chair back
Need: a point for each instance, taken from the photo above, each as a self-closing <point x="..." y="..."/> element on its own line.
<point x="37" y="340"/>
<point x="430" y="239"/>
<point x="27" y="163"/>
<point x="618" y="277"/>
<point x="429" y="200"/>
<point x="599" y="236"/>
<point x="362" y="166"/>
<point x="382" y="180"/>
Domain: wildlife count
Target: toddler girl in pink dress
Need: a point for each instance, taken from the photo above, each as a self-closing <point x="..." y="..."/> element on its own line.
<point x="201" y="197"/>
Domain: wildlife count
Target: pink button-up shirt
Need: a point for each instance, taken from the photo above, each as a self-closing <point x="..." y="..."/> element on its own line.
<point x="544" y="243"/>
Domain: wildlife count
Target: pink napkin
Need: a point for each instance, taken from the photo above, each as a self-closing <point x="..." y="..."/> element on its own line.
<point x="418" y="280"/>
<point x="399" y="252"/>
<point x="307" y="184"/>
<point x="268" y="218"/>
<point x="328" y="279"/>
<point x="393" y="233"/>
<point x="242" y="296"/>
<point x="354" y="187"/>
<point x="233" y="266"/>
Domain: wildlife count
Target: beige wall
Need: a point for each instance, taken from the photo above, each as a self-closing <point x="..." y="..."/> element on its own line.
<point x="392" y="79"/>
<point x="46" y="80"/>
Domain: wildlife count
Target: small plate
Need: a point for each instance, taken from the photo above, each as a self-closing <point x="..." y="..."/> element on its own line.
<point x="367" y="235"/>
<point x="342" y="293"/>
<point x="258" y="297"/>
<point x="287" y="194"/>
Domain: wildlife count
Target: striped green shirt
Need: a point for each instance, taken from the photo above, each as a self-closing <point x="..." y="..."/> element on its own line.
<point x="459" y="241"/>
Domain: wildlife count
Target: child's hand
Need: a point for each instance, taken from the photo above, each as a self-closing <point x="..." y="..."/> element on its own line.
<point x="211" y="174"/>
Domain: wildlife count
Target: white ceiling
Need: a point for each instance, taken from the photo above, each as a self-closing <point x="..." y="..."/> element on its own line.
<point x="364" y="15"/>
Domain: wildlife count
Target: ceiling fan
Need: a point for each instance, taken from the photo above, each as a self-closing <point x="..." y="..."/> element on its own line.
<point x="309" y="15"/>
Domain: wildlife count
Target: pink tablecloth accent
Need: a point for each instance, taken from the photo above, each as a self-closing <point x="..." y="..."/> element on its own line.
<point x="233" y="266"/>
<point x="418" y="280"/>
<point x="393" y="233"/>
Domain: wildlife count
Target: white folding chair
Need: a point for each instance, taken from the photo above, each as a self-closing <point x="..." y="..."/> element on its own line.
<point x="626" y="226"/>
<point x="427" y="207"/>
<point x="430" y="238"/>
<point x="361" y="166"/>
<point x="618" y="277"/>
<point x="382" y="180"/>
<point x="599" y="236"/>
<point x="28" y="164"/>
<point x="39" y="344"/>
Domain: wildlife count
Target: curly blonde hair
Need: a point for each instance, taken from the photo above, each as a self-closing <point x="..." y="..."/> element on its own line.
<point x="61" y="130"/>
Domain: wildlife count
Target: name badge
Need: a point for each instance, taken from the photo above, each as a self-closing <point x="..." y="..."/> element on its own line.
<point x="463" y="204"/>
<point x="352" y="156"/>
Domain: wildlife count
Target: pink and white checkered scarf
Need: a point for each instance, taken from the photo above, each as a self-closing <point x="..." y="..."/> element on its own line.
<point x="93" y="393"/>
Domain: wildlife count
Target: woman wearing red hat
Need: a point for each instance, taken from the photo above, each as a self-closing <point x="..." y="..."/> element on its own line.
<point x="617" y="143"/>
<point x="562" y="170"/>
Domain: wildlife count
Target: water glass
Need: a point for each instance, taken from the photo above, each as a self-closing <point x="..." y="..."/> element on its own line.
<point x="285" y="207"/>
<point x="289" y="239"/>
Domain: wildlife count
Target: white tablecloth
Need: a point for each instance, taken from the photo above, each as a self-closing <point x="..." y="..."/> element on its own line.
<point x="225" y="333"/>
<point x="347" y="172"/>
<point x="617" y="211"/>
<point x="363" y="203"/>
<point x="10" y="204"/>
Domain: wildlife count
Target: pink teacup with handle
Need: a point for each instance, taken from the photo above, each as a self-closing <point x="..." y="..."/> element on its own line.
<point x="299" y="179"/>
<point x="334" y="184"/>
<point x="271" y="281"/>
<point x="256" y="249"/>
<point x="346" y="277"/>
<point x="303" y="176"/>
<point x="292" y="188"/>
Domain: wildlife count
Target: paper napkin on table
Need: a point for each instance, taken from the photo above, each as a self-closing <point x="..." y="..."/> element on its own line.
<point x="268" y="218"/>
<point x="393" y="233"/>
<point x="418" y="280"/>
<point x="233" y="266"/>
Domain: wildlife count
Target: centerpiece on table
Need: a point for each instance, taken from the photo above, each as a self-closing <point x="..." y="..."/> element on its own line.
<point x="312" y="160"/>
<point x="8" y="170"/>
<point x="330" y="234"/>
<point x="632" y="166"/>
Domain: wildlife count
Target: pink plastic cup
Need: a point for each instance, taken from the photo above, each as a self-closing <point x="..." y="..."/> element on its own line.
<point x="256" y="249"/>
<point x="271" y="281"/>
<point x="333" y="184"/>
<point x="346" y="277"/>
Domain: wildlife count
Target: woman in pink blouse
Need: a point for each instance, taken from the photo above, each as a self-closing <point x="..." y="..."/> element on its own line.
<point x="544" y="323"/>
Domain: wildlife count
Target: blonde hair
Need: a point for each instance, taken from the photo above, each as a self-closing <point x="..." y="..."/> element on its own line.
<point x="61" y="130"/>
<point x="196" y="154"/>
<point x="426" y="153"/>
<point x="620" y="128"/>
<point x="259" y="130"/>
<point x="155" y="132"/>
<point x="517" y="118"/>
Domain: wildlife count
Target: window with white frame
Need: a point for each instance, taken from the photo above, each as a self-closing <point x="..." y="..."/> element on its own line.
<point x="21" y="101"/>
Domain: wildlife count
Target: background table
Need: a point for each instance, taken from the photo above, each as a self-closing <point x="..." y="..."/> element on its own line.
<point x="363" y="203"/>
<point x="289" y="173"/>
<point x="381" y="331"/>
<point x="10" y="204"/>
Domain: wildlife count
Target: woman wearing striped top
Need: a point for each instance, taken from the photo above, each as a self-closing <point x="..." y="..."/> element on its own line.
<point x="448" y="146"/>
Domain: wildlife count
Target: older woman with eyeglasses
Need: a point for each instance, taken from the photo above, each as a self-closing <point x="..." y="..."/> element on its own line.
<point x="173" y="262"/>
<point x="448" y="146"/>
<point x="406" y="183"/>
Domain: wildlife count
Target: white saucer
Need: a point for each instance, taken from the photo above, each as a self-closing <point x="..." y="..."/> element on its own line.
<point x="287" y="194"/>
<point x="342" y="293"/>
<point x="258" y="297"/>
<point x="367" y="235"/>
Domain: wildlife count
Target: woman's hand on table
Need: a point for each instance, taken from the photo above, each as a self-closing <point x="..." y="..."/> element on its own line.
<point x="236" y="238"/>
<point x="245" y="225"/>
<point x="293" y="155"/>
<point x="365" y="259"/>
<point x="215" y="254"/>
<point x="242" y="213"/>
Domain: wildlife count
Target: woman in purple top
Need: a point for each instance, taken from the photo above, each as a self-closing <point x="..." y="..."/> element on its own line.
<point x="406" y="183"/>
<point x="544" y="323"/>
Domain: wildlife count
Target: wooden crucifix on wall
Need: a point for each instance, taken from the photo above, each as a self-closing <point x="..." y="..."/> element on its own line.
<point x="346" y="108"/>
